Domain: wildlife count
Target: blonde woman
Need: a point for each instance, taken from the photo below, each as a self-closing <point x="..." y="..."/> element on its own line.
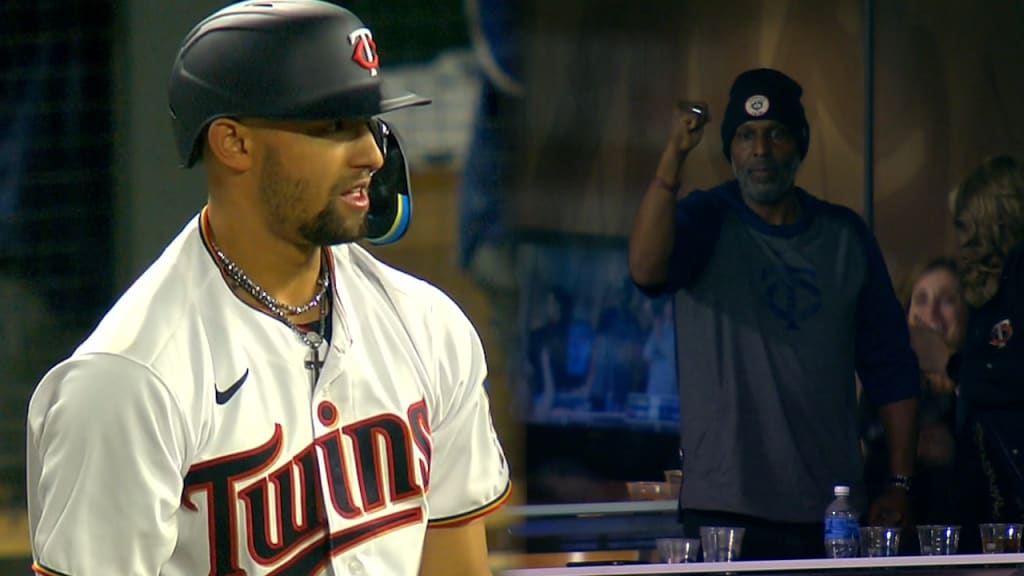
<point x="988" y="211"/>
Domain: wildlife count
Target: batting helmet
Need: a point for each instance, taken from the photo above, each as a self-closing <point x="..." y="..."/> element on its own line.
<point x="295" y="60"/>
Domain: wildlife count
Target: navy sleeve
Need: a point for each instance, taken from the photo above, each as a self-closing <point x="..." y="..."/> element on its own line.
<point x="886" y="363"/>
<point x="991" y="366"/>
<point x="698" y="220"/>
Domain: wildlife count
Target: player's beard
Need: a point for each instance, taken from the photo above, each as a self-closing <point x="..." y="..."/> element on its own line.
<point x="284" y="196"/>
<point x="771" y="192"/>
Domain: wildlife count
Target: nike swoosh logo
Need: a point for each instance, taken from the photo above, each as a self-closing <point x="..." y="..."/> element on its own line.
<point x="224" y="395"/>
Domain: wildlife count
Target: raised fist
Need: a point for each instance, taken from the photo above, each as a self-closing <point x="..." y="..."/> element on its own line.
<point x="690" y="118"/>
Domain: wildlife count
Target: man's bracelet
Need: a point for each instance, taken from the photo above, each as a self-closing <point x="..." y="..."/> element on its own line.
<point x="905" y="482"/>
<point x="673" y="188"/>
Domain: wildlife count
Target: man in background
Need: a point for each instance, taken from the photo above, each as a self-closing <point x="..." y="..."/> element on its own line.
<point x="781" y="298"/>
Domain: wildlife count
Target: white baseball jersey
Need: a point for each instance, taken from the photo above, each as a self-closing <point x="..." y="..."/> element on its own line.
<point x="185" y="436"/>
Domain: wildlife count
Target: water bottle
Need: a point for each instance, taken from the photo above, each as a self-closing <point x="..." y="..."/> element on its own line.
<point x="842" y="531"/>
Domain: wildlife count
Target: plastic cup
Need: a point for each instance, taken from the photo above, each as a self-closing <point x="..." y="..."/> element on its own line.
<point x="721" y="543"/>
<point x="938" y="539"/>
<point x="675" y="550"/>
<point x="1000" y="538"/>
<point x="877" y="541"/>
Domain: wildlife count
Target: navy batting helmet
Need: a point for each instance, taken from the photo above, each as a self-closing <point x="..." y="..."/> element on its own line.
<point x="295" y="60"/>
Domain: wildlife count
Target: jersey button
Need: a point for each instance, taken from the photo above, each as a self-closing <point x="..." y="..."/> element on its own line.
<point x="355" y="568"/>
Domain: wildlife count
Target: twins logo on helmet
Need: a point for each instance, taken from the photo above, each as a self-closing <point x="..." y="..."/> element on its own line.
<point x="365" y="50"/>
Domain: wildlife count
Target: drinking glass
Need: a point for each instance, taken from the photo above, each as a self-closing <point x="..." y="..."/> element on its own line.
<point x="879" y="541"/>
<point x="721" y="543"/>
<point x="938" y="539"/>
<point x="674" y="550"/>
<point x="1000" y="538"/>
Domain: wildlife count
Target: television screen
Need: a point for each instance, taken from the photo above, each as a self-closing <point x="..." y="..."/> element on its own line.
<point x="596" y="369"/>
<point x="596" y="351"/>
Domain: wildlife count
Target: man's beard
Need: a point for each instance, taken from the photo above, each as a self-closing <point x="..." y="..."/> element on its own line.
<point x="771" y="192"/>
<point x="282" y="194"/>
<point x="328" y="229"/>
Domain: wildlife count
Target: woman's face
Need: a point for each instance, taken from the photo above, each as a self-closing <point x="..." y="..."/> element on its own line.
<point x="937" y="302"/>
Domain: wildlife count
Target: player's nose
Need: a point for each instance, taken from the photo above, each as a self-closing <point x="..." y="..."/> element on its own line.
<point x="366" y="154"/>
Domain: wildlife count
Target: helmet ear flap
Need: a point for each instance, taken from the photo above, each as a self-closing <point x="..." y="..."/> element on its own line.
<point x="390" y="192"/>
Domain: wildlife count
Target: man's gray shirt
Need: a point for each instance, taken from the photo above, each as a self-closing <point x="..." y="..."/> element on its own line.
<point x="772" y="323"/>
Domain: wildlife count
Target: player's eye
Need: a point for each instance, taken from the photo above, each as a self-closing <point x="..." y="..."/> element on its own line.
<point x="338" y="129"/>
<point x="348" y="127"/>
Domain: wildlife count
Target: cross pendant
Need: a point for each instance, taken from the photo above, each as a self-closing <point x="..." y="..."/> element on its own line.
<point x="314" y="363"/>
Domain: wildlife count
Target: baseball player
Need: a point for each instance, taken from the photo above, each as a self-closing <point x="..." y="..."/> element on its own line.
<point x="268" y="398"/>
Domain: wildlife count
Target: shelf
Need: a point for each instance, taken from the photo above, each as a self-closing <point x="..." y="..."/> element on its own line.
<point x="591" y="526"/>
<point x="964" y="565"/>
<point x="593" y="508"/>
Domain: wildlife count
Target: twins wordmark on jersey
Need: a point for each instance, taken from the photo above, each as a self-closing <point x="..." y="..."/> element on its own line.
<point x="371" y="473"/>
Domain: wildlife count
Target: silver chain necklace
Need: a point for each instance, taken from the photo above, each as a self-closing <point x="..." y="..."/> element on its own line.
<point x="276" y="306"/>
<point x="282" y="311"/>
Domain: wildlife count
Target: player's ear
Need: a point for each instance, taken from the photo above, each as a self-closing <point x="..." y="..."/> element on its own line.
<point x="229" y="143"/>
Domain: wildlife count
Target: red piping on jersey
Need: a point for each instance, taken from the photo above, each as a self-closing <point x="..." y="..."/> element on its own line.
<point x="40" y="569"/>
<point x="463" y="519"/>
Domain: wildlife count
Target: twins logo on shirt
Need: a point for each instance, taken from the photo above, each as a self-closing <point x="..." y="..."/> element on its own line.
<point x="792" y="293"/>
<point x="1001" y="334"/>
<point x="283" y="519"/>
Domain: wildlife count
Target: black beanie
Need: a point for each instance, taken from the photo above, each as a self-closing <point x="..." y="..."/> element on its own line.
<point x="765" y="94"/>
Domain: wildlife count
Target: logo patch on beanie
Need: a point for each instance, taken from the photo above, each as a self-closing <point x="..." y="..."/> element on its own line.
<point x="757" y="105"/>
<point x="364" y="50"/>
